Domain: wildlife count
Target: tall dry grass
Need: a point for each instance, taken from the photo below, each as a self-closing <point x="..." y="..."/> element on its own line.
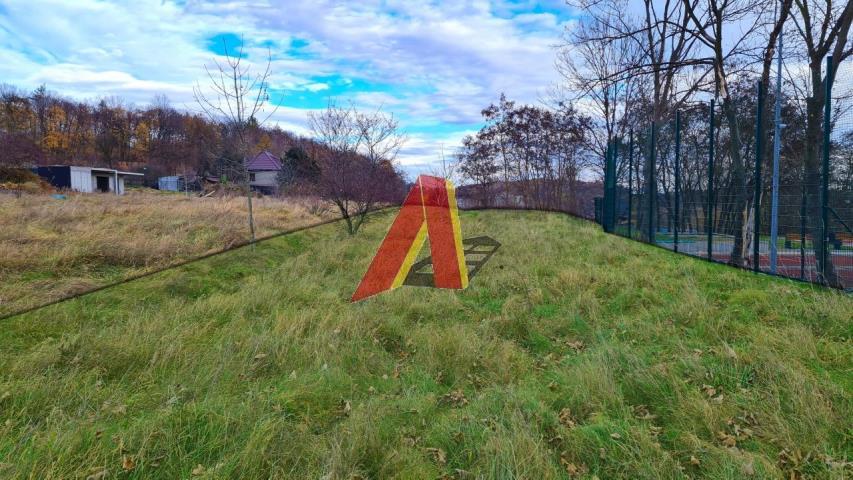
<point x="52" y="248"/>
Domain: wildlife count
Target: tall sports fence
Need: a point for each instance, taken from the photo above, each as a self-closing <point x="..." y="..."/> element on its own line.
<point x="754" y="183"/>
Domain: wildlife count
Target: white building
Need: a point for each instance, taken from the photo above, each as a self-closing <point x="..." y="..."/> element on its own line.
<point x="86" y="179"/>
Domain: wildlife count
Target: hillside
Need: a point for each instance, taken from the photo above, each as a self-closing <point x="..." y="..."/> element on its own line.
<point x="572" y="354"/>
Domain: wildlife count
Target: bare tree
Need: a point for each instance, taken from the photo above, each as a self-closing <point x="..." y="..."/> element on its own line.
<point x="590" y="61"/>
<point x="824" y="29"/>
<point x="237" y="99"/>
<point x="656" y="51"/>
<point x="357" y="164"/>
<point x="448" y="168"/>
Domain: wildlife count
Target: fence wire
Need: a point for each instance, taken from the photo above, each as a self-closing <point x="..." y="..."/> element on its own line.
<point x="701" y="183"/>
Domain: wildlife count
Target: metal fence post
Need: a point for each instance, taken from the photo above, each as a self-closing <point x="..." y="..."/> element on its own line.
<point x="709" y="214"/>
<point x="605" y="207"/>
<point x="677" y="221"/>
<point x="652" y="187"/>
<point x="827" y="117"/>
<point x="609" y="207"/>
<point x="614" y="184"/>
<point x="630" y="179"/>
<point x="759" y="153"/>
<point x="803" y="234"/>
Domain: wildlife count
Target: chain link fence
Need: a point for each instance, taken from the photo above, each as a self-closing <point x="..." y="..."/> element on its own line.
<point x="749" y="181"/>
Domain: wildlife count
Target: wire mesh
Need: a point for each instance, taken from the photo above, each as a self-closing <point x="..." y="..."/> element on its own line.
<point x="840" y="187"/>
<point x="712" y="197"/>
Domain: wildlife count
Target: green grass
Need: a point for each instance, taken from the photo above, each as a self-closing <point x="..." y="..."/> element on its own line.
<point x="572" y="353"/>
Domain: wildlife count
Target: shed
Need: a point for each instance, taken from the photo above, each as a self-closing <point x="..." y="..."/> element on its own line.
<point x="178" y="183"/>
<point x="86" y="179"/>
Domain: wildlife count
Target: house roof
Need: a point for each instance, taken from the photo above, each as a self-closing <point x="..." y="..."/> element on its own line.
<point x="264" y="161"/>
<point x="110" y="171"/>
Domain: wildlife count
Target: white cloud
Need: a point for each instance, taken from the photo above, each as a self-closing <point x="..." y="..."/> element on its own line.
<point x="438" y="62"/>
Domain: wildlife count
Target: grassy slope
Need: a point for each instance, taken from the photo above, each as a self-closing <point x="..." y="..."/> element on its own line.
<point x="52" y="248"/>
<point x="571" y="351"/>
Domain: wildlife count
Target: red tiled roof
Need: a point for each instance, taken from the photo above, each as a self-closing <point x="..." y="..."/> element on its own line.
<point x="264" y="161"/>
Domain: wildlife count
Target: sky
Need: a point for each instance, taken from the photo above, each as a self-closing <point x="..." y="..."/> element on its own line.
<point x="434" y="65"/>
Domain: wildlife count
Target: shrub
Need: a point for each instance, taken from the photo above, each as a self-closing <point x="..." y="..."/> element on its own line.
<point x="18" y="175"/>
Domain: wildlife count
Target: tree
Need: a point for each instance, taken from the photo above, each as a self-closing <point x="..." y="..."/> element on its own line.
<point x="656" y="52"/>
<point x="824" y="28"/>
<point x="298" y="167"/>
<point x="477" y="163"/>
<point x="237" y="99"/>
<point x="538" y="152"/>
<point x="356" y="162"/>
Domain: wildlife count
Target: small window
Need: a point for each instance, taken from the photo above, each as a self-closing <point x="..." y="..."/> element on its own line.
<point x="251" y="177"/>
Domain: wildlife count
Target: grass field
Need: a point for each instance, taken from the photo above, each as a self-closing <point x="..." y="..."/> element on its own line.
<point x="572" y="354"/>
<point x="52" y="248"/>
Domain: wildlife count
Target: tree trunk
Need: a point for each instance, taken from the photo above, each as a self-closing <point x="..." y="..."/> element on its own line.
<point x="812" y="178"/>
<point x="738" y="181"/>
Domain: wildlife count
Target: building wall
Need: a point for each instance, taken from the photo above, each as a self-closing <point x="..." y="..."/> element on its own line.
<point x="59" y="177"/>
<point x="169" y="184"/>
<point x="82" y="180"/>
<point x="265" y="179"/>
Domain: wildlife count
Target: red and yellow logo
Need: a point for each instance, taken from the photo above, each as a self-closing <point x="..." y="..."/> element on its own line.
<point x="429" y="210"/>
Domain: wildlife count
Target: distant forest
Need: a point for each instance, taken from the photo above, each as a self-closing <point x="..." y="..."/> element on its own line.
<point x="43" y="128"/>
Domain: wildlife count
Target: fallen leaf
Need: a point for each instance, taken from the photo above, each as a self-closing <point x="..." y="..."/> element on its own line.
<point x="455" y="398"/>
<point x="615" y="436"/>
<point x="709" y="390"/>
<point x="127" y="463"/>
<point x="99" y="475"/>
<point x="572" y="468"/>
<point x="642" y="412"/>
<point x="727" y="440"/>
<point x="198" y="470"/>
<point x="567" y="419"/>
<point x="438" y="456"/>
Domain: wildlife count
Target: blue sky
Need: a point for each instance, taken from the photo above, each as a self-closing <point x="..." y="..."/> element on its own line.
<point x="434" y="65"/>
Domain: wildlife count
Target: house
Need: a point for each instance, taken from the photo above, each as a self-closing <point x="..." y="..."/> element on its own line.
<point x="263" y="172"/>
<point x="86" y="179"/>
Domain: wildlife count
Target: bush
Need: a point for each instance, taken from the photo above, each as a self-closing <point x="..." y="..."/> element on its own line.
<point x="18" y="175"/>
